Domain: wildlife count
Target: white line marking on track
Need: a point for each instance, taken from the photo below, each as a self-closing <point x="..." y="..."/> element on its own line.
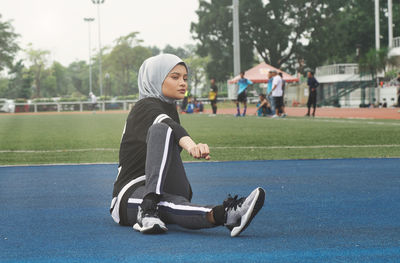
<point x="307" y="146"/>
<point x="216" y="147"/>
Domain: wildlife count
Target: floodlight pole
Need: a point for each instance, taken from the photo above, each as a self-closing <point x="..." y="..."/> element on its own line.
<point x="377" y="32"/>
<point x="98" y="2"/>
<point x="390" y="22"/>
<point x="88" y="20"/>
<point x="377" y="43"/>
<point x="236" y="38"/>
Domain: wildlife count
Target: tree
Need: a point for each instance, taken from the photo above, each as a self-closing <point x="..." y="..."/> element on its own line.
<point x="8" y="45"/>
<point x="214" y="32"/>
<point x="197" y="74"/>
<point x="124" y="61"/>
<point x="154" y="50"/>
<point x="61" y="76"/>
<point x="348" y="34"/>
<point x="78" y="75"/>
<point x="276" y="29"/>
<point x="179" y="51"/>
<point x="373" y="61"/>
<point x="38" y="60"/>
<point x="20" y="82"/>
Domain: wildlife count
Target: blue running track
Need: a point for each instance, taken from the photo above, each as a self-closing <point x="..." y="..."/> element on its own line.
<point x="315" y="211"/>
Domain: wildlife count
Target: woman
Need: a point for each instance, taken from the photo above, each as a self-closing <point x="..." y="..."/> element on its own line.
<point x="151" y="188"/>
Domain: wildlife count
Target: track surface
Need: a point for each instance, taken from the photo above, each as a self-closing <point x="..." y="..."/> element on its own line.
<point x="315" y="211"/>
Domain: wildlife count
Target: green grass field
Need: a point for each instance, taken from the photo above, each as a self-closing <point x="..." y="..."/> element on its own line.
<point x="94" y="138"/>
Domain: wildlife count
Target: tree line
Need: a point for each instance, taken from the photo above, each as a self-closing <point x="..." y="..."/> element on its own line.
<point x="294" y="35"/>
<point x="38" y="77"/>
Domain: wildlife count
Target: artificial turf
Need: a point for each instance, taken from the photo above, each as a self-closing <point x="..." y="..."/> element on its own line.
<point x="95" y="138"/>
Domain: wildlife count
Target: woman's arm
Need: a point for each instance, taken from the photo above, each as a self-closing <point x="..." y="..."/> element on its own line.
<point x="197" y="151"/>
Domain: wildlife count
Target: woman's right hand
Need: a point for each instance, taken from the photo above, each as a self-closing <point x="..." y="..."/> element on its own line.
<point x="199" y="151"/>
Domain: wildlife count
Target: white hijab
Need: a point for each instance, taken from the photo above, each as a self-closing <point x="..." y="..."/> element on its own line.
<point x="152" y="74"/>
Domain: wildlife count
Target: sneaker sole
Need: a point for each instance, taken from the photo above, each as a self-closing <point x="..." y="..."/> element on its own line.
<point x="155" y="229"/>
<point x="253" y="210"/>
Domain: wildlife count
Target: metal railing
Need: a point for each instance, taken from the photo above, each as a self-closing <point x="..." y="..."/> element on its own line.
<point x="337" y="69"/>
<point x="73" y="106"/>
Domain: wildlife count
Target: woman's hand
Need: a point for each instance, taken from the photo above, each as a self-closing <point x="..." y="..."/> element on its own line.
<point x="197" y="151"/>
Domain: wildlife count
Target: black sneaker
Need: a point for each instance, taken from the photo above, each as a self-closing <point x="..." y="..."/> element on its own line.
<point x="240" y="212"/>
<point x="149" y="222"/>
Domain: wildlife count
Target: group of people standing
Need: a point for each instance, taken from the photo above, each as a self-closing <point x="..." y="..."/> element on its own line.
<point x="270" y="103"/>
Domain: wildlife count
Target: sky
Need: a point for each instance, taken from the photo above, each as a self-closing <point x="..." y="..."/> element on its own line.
<point x="58" y="25"/>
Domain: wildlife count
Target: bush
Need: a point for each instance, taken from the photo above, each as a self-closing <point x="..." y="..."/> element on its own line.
<point x="73" y="99"/>
<point x="43" y="100"/>
<point x="129" y="97"/>
<point x="104" y="98"/>
<point x="20" y="100"/>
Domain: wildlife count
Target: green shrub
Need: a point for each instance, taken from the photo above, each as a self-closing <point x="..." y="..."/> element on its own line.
<point x="20" y="100"/>
<point x="129" y="97"/>
<point x="73" y="99"/>
<point x="43" y="100"/>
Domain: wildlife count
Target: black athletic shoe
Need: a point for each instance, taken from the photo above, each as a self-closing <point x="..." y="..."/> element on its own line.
<point x="149" y="222"/>
<point x="240" y="212"/>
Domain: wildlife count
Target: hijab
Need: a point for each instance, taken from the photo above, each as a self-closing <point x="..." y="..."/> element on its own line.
<point x="152" y="74"/>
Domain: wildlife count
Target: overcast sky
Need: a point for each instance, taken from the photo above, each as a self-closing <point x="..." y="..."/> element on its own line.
<point x="58" y="26"/>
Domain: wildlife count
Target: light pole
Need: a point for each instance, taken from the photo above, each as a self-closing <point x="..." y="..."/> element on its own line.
<point x="236" y="38"/>
<point x="390" y="22"/>
<point x="377" y="44"/>
<point x="88" y="20"/>
<point x="377" y="28"/>
<point x="98" y="2"/>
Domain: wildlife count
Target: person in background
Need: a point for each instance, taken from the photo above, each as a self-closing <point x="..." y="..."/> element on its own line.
<point x="263" y="107"/>
<point x="190" y="105"/>
<point x="198" y="106"/>
<point x="283" y="95"/>
<point x="93" y="100"/>
<point x="312" y="97"/>
<point x="269" y="89"/>
<point x="276" y="93"/>
<point x="212" y="96"/>
<point x="243" y="84"/>
<point x="185" y="101"/>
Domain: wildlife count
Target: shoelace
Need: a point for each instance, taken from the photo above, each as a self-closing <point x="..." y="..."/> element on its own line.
<point x="233" y="202"/>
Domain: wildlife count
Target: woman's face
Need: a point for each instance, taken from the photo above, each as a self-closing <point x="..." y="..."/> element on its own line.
<point x="175" y="84"/>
